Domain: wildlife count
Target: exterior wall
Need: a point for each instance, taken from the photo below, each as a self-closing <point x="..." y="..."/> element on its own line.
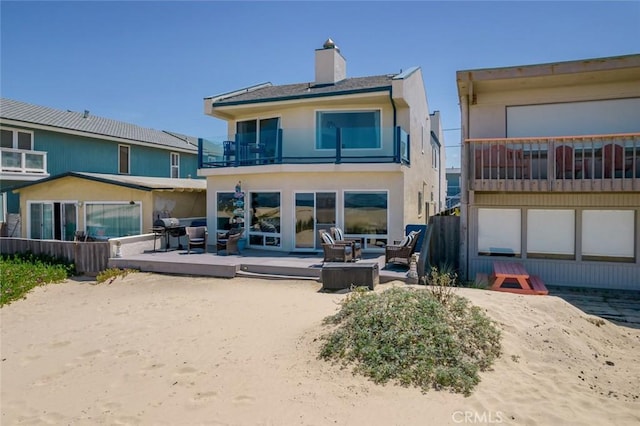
<point x="484" y="98"/>
<point x="413" y="114"/>
<point x="578" y="272"/>
<point x="487" y="117"/>
<point x="81" y="154"/>
<point x="288" y="183"/>
<point x="298" y="123"/>
<point x="76" y="190"/>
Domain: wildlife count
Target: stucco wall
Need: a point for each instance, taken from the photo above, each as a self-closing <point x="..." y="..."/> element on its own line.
<point x="289" y="183"/>
<point x="487" y="117"/>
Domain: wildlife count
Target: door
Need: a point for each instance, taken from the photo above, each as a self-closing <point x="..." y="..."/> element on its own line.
<point x="313" y="211"/>
<point x="51" y="220"/>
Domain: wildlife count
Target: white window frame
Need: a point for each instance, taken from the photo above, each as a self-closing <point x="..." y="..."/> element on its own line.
<point x="174" y="165"/>
<point x="601" y="230"/>
<point x="128" y="172"/>
<point x="3" y="206"/>
<point x="333" y="110"/>
<point x="496" y="232"/>
<point x="86" y="203"/>
<point x="15" y="132"/>
<point x="554" y="237"/>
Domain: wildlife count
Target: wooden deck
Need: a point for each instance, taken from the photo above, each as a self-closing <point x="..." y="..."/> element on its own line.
<point x="252" y="263"/>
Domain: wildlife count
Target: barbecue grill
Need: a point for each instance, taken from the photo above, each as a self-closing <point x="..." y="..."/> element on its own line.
<point x="168" y="227"/>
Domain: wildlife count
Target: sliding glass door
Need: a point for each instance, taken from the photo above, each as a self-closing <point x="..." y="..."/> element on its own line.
<point x="313" y="211"/>
<point x="53" y="220"/>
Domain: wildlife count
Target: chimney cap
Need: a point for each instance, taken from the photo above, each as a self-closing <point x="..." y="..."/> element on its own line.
<point x="329" y="44"/>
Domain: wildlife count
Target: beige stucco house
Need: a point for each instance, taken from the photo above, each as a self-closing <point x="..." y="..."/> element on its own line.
<point x="362" y="153"/>
<point x="551" y="170"/>
<point x="106" y="206"/>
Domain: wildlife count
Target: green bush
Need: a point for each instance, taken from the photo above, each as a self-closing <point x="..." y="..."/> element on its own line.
<point x="21" y="272"/>
<point x="406" y="335"/>
<point x="110" y="274"/>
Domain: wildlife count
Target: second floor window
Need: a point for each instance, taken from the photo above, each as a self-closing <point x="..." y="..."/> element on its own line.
<point x="123" y="159"/>
<point x="17" y="139"/>
<point x="175" y="165"/>
<point x="358" y="129"/>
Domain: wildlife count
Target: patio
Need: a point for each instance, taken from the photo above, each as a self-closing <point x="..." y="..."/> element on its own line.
<point x="251" y="262"/>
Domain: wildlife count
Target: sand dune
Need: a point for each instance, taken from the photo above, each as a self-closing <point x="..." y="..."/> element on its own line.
<point x="154" y="349"/>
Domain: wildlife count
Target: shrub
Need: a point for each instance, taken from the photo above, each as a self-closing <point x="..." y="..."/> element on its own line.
<point x="21" y="272"/>
<point x="408" y="336"/>
<point x="442" y="283"/>
<point x="110" y="274"/>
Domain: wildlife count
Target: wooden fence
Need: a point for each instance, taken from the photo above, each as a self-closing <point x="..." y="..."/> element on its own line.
<point x="441" y="246"/>
<point x="88" y="257"/>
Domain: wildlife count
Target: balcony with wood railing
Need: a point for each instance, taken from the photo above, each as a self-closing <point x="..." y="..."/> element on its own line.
<point x="567" y="163"/>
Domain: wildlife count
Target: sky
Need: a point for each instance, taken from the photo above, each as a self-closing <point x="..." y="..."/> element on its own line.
<point x="151" y="63"/>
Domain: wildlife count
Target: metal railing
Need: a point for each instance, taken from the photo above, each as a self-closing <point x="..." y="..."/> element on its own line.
<point x="598" y="162"/>
<point x="23" y="161"/>
<point x="299" y="146"/>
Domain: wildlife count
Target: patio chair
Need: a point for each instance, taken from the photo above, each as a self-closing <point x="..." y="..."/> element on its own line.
<point x="614" y="162"/>
<point x="356" y="243"/>
<point x="334" y="251"/>
<point x="196" y="237"/>
<point x="401" y="251"/>
<point x="567" y="167"/>
<point x="228" y="241"/>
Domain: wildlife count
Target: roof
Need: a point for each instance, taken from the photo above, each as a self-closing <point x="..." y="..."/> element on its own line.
<point x="91" y="124"/>
<point x="267" y="92"/>
<point x="557" y="74"/>
<point x="143" y="183"/>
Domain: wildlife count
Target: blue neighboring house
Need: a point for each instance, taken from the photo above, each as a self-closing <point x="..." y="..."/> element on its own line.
<point x="38" y="142"/>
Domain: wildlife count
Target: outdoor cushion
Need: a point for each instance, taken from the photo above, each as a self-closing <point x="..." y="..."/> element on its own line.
<point x="406" y="241"/>
<point x="339" y="234"/>
<point x="327" y="238"/>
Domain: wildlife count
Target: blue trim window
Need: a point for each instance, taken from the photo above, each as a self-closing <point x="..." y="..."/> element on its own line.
<point x="358" y="129"/>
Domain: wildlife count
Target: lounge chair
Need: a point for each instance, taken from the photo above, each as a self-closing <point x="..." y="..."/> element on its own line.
<point x="228" y="241"/>
<point x="356" y="243"/>
<point x="334" y="251"/>
<point x="401" y="251"/>
<point x="196" y="237"/>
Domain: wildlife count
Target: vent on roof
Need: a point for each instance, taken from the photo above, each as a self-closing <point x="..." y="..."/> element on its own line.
<point x="85" y="114"/>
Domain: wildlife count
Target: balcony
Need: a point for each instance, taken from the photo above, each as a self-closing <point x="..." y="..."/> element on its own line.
<point x="19" y="164"/>
<point x="574" y="163"/>
<point x="298" y="146"/>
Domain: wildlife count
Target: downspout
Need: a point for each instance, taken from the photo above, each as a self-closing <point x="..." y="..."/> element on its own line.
<point x="464" y="189"/>
<point x="396" y="148"/>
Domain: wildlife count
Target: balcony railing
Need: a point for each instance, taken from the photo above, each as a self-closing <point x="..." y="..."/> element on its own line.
<point x="22" y="162"/>
<point x="574" y="163"/>
<point x="298" y="146"/>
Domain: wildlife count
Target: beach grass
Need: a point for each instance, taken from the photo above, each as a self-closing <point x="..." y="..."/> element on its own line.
<point x="409" y="336"/>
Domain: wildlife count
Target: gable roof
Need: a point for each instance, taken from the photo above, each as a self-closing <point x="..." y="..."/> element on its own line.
<point x="91" y="125"/>
<point x="268" y="93"/>
<point x="143" y="183"/>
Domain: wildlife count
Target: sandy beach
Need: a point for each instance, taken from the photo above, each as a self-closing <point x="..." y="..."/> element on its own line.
<point x="163" y="350"/>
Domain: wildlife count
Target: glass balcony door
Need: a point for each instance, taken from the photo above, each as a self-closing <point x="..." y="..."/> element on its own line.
<point x="257" y="139"/>
<point x="313" y="211"/>
<point x="49" y="221"/>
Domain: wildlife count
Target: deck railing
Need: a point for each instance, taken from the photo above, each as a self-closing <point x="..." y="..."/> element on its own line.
<point x="298" y="146"/>
<point x="568" y="163"/>
<point x="22" y="161"/>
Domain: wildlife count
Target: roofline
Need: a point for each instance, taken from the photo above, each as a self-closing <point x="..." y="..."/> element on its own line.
<point x="406" y="73"/>
<point x="248" y="89"/>
<point x="305" y="96"/>
<point x="550" y="68"/>
<point x="12" y="122"/>
<point x="83" y="176"/>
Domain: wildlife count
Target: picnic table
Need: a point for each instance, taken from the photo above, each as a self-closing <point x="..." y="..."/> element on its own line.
<point x="507" y="274"/>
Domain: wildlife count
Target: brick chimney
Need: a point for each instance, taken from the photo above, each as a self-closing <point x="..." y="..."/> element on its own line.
<point x="331" y="67"/>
